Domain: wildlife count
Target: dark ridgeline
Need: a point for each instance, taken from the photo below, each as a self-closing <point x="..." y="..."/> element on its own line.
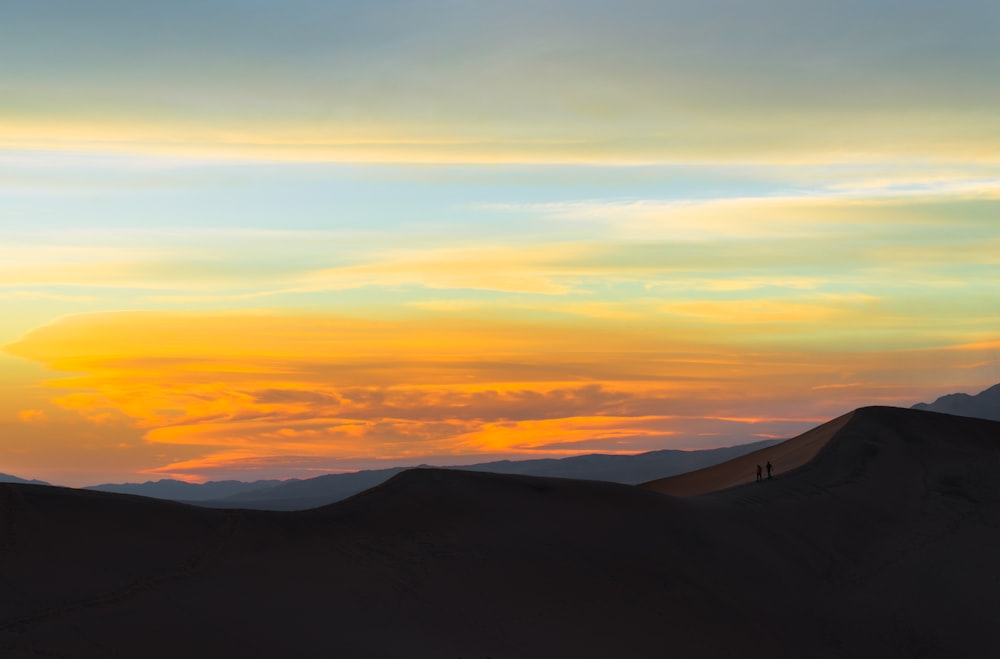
<point x="297" y="494"/>
<point x="175" y="490"/>
<point x="7" y="478"/>
<point x="882" y="545"/>
<point x="984" y="405"/>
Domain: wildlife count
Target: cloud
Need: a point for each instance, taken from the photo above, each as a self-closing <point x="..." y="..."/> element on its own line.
<point x="818" y="213"/>
<point x="33" y="416"/>
<point x="294" y="396"/>
<point x="479" y="82"/>
<point x="527" y="269"/>
<point x="590" y="255"/>
<point x="42" y="295"/>
<point x="210" y="391"/>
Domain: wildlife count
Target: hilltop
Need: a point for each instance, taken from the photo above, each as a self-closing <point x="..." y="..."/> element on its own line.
<point x="984" y="405"/>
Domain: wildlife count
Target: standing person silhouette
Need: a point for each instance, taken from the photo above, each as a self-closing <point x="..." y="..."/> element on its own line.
<point x="769" y="470"/>
<point x="759" y="471"/>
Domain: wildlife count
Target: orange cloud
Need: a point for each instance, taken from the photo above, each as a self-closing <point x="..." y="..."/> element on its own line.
<point x="32" y="416"/>
<point x="214" y="393"/>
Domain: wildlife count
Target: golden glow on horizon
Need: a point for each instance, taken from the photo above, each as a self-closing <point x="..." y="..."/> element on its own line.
<point x="229" y="392"/>
<point x="767" y="143"/>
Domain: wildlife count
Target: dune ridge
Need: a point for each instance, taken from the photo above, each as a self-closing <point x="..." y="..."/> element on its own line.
<point x="785" y="457"/>
<point x="881" y="544"/>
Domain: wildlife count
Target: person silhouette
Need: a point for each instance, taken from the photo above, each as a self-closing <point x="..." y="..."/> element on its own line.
<point x="759" y="471"/>
<point x="769" y="470"/>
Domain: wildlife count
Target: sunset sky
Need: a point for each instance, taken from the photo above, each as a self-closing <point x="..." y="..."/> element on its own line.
<point x="260" y="239"/>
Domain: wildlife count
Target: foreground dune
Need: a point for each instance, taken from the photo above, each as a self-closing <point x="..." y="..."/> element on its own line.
<point x="880" y="544"/>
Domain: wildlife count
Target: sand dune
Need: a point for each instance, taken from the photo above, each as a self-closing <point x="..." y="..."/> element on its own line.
<point x="880" y="544"/>
<point x="784" y="457"/>
<point x="631" y="469"/>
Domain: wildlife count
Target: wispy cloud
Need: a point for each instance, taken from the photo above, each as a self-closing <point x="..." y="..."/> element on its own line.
<point x="301" y="83"/>
<point x="210" y="391"/>
<point x="42" y="295"/>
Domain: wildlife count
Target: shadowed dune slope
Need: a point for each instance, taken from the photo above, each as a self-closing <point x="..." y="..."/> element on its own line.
<point x="881" y="545"/>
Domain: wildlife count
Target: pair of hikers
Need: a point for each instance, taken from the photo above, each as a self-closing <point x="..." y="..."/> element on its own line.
<point x="761" y="471"/>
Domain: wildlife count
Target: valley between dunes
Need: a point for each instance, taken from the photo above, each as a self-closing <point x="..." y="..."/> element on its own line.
<point x="878" y="537"/>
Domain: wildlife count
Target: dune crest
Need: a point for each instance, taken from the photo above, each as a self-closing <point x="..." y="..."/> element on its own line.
<point x="881" y="543"/>
<point x="785" y="457"/>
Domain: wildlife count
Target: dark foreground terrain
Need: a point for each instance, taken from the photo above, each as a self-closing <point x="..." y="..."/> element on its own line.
<point x="885" y="542"/>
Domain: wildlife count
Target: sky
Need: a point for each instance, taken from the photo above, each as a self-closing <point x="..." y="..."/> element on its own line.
<point x="265" y="239"/>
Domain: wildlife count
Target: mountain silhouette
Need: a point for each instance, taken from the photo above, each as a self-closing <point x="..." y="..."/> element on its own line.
<point x="7" y="478"/>
<point x="168" y="488"/>
<point x="876" y="538"/>
<point x="984" y="405"/>
<point x="628" y="469"/>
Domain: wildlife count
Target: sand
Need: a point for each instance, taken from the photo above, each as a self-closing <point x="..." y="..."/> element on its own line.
<point x="881" y="544"/>
<point x="784" y="458"/>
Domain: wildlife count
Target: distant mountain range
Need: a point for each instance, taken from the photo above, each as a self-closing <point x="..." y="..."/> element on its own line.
<point x="626" y="469"/>
<point x="298" y="494"/>
<point x="7" y="478"/>
<point x="984" y="405"/>
<point x="176" y="490"/>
